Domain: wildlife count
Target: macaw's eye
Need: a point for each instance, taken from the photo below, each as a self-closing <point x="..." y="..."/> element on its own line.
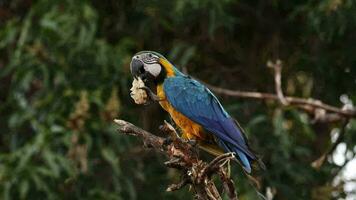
<point x="150" y="55"/>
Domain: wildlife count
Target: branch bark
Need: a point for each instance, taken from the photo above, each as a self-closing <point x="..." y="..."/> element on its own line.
<point x="184" y="157"/>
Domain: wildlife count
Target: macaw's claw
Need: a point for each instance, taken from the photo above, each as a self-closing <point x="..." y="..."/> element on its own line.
<point x="151" y="95"/>
<point x="167" y="141"/>
<point x="193" y="142"/>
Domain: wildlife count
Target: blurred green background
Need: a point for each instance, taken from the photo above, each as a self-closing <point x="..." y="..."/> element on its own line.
<point x="64" y="75"/>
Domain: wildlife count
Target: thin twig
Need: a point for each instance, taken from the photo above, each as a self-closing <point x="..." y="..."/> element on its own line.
<point x="277" y="68"/>
<point x="321" y="160"/>
<point x="339" y="138"/>
<point x="228" y="184"/>
<point x="178" y="186"/>
<point x="217" y="163"/>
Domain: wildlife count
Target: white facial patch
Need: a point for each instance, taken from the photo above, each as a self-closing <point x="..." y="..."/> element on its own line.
<point x="153" y="69"/>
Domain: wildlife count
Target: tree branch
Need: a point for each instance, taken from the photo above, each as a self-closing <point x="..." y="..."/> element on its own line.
<point x="322" y="112"/>
<point x="184" y="158"/>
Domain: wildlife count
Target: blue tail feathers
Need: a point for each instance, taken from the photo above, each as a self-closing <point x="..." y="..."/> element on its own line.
<point x="242" y="157"/>
<point x="244" y="161"/>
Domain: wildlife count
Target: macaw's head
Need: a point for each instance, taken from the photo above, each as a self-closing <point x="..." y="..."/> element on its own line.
<point x="151" y="66"/>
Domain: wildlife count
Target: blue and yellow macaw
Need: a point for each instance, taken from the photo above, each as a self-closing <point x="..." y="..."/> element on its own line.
<point x="193" y="108"/>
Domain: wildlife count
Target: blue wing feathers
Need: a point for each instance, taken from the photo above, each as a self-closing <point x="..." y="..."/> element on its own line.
<point x="195" y="101"/>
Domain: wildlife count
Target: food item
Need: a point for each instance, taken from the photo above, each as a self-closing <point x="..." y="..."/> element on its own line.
<point x="138" y="94"/>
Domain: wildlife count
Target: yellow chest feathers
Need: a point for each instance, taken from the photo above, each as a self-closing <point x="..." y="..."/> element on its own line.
<point x="190" y="129"/>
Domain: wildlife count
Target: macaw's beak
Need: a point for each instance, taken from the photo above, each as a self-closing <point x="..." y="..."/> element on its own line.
<point x="137" y="68"/>
<point x="138" y="71"/>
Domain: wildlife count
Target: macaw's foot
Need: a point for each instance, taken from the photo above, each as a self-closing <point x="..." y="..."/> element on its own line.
<point x="168" y="128"/>
<point x="152" y="96"/>
<point x="170" y="139"/>
<point x="167" y="141"/>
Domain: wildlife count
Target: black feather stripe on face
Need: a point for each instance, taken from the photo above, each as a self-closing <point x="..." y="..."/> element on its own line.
<point x="150" y="59"/>
<point x="162" y="75"/>
<point x="152" y="52"/>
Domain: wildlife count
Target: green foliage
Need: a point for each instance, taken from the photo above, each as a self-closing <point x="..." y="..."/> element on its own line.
<point x="64" y="72"/>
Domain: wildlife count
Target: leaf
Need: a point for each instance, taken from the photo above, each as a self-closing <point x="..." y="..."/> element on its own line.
<point x="24" y="188"/>
<point x="50" y="160"/>
<point x="110" y="157"/>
